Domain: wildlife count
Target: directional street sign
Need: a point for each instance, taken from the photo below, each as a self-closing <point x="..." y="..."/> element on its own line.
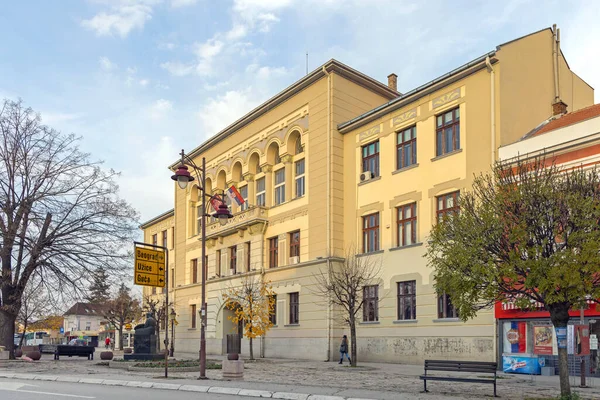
<point x="149" y="268"/>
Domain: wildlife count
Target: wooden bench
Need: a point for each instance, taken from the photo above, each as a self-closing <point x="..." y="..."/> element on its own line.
<point x="472" y="367"/>
<point x="79" y="351"/>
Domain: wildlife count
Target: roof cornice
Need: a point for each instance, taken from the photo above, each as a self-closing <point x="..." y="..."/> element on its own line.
<point x="330" y="66"/>
<point x="158" y="218"/>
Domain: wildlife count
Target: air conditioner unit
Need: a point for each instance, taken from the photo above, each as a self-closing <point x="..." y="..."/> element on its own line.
<point x="294" y="260"/>
<point x="365" y="176"/>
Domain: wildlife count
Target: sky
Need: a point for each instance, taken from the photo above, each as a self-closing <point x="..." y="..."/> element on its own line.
<point x="141" y="79"/>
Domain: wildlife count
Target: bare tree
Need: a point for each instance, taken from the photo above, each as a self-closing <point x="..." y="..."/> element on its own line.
<point x="34" y="306"/>
<point x="344" y="285"/>
<point x="159" y="309"/>
<point x="122" y="310"/>
<point x="60" y="216"/>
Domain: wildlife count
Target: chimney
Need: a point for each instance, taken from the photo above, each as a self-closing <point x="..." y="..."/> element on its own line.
<point x="393" y="81"/>
<point x="559" y="108"/>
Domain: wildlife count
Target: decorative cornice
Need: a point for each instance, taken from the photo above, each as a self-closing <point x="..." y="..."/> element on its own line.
<point x="446" y="98"/>
<point x="287" y="159"/>
<point x="266" y="168"/>
<point x="248" y="177"/>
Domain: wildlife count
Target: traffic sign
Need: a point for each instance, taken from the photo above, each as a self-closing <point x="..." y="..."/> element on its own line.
<point x="149" y="267"/>
<point x="128" y="327"/>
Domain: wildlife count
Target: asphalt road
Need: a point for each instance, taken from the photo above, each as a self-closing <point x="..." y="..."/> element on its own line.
<point x="35" y="390"/>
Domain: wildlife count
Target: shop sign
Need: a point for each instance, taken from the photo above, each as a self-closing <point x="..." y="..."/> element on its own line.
<point x="542" y="340"/>
<point x="593" y="342"/>
<point x="521" y="365"/>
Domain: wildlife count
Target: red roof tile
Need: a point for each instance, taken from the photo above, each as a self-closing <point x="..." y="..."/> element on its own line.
<point x="570" y="119"/>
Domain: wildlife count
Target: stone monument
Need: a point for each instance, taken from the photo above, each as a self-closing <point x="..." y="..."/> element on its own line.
<point x="144" y="345"/>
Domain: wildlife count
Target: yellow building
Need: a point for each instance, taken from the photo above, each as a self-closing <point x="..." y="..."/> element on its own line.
<point x="339" y="160"/>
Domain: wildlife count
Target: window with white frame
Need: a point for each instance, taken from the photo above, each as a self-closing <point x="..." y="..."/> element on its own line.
<point x="260" y="192"/>
<point x="244" y="193"/>
<point x="279" y="186"/>
<point x="199" y="215"/>
<point x="300" y="178"/>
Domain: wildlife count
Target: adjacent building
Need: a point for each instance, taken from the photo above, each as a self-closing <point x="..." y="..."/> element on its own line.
<point x="340" y="161"/>
<point x="85" y="320"/>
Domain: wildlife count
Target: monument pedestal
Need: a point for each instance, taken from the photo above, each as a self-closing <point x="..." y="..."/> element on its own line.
<point x="233" y="369"/>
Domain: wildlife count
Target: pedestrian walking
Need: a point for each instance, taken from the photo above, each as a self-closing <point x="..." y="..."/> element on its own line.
<point x="344" y="350"/>
<point x="107" y="342"/>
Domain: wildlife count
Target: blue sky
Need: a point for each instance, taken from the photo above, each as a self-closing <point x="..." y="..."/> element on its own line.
<point x="141" y="79"/>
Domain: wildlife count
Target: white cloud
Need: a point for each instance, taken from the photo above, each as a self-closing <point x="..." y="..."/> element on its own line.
<point x="221" y="111"/>
<point x="177" y="69"/>
<point x="144" y="82"/>
<point x="131" y="70"/>
<point x="160" y="108"/>
<point x="106" y="64"/>
<point x="182" y="3"/>
<point x="237" y="32"/>
<point x="121" y="19"/>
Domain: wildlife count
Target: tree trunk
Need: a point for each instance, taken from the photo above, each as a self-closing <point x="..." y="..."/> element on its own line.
<point x="22" y="339"/>
<point x="559" y="314"/>
<point x="251" y="350"/>
<point x="7" y="332"/>
<point x="353" y="355"/>
<point x="120" y="337"/>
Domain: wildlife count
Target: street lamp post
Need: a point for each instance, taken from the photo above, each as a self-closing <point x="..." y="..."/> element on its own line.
<point x="183" y="177"/>
<point x="173" y="315"/>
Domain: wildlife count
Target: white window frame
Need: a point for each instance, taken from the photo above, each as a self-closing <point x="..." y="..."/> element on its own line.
<point x="299" y="178"/>
<point x="279" y="188"/>
<point x="261" y="195"/>
<point x="244" y="205"/>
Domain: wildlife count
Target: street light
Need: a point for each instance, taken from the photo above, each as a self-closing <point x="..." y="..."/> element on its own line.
<point x="173" y="315"/>
<point x="183" y="177"/>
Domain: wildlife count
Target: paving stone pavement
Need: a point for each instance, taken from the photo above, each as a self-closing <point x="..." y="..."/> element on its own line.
<point x="369" y="380"/>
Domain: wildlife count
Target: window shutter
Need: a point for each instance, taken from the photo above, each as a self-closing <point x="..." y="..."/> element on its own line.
<point x="240" y="259"/>
<point x="224" y="263"/>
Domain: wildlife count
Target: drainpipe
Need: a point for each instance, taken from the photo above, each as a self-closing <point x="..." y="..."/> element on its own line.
<point x="555" y="62"/>
<point x="490" y="69"/>
<point x="328" y="208"/>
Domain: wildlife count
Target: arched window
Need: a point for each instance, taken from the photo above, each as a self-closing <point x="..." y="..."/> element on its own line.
<point x="299" y="148"/>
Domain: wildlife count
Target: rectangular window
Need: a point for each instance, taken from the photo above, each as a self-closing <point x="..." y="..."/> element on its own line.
<point x="88" y="326"/>
<point x="447" y="132"/>
<point x="300" y="178"/>
<point x="407" y="224"/>
<point x="294" y="308"/>
<point x="260" y="192"/>
<point x="370" y="158"/>
<point x="407" y="300"/>
<point x="406" y="147"/>
<point x="232" y="260"/>
<point x="445" y="307"/>
<point x="199" y="215"/>
<point x="371" y="233"/>
<point x="172" y="277"/>
<point x="218" y="263"/>
<point x="273" y="313"/>
<point x="371" y="303"/>
<point x="164" y="239"/>
<point x="273" y="252"/>
<point x="295" y="244"/>
<point x="194" y="271"/>
<point x="193" y="316"/>
<point x="244" y="193"/>
<point x="447" y="204"/>
<point x="155" y="240"/>
<point x="248" y="256"/>
<point x="280" y="186"/>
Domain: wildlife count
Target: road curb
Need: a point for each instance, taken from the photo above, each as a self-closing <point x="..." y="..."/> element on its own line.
<point x="184" y="388"/>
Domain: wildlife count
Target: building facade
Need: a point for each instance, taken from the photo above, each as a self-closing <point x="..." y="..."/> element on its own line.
<point x="339" y="161"/>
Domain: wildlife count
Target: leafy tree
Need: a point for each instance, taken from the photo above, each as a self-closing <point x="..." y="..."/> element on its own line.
<point x="51" y="322"/>
<point x="122" y="310"/>
<point x="343" y="286"/>
<point x="527" y="232"/>
<point x="158" y="308"/>
<point x="99" y="290"/>
<point x="252" y="302"/>
<point x="60" y="216"/>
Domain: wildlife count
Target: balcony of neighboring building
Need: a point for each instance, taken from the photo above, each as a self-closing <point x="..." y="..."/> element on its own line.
<point x="254" y="219"/>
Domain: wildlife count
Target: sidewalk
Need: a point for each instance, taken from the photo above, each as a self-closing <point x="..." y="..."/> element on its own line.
<point x="279" y="378"/>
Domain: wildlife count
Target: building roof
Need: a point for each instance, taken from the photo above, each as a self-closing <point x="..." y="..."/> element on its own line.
<point x="330" y="66"/>
<point x="158" y="218"/>
<point x="90" y="309"/>
<point x="567" y="119"/>
<point x="423" y="90"/>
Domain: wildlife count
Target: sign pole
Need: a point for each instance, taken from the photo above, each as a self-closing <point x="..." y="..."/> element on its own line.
<point x="166" y="313"/>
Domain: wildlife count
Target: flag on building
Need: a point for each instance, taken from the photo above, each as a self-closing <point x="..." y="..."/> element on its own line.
<point x="234" y="195"/>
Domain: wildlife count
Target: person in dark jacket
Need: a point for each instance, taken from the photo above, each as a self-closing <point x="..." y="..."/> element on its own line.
<point x="344" y="350"/>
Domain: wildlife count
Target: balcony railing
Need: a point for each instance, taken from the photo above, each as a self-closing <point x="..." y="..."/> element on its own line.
<point x="254" y="217"/>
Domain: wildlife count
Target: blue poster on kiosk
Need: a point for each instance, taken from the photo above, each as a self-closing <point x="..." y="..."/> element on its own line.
<point x="521" y="365"/>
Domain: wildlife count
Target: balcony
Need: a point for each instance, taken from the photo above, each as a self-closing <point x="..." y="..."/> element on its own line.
<point x="254" y="219"/>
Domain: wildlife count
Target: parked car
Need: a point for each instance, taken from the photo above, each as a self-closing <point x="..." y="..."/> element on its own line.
<point x="78" y="342"/>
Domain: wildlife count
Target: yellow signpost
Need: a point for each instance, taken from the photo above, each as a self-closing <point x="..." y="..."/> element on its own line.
<point x="149" y="267"/>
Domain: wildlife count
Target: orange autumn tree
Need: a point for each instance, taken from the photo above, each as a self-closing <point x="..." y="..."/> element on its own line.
<point x="252" y="302"/>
